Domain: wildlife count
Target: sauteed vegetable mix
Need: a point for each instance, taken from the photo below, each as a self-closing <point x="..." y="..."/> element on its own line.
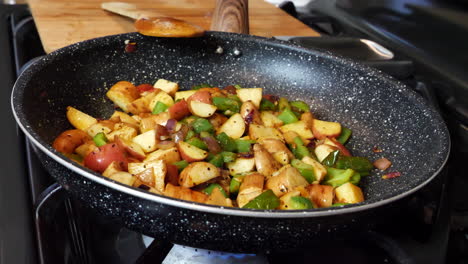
<point x="233" y="147"/>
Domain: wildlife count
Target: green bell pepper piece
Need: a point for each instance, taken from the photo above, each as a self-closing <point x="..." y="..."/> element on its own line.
<point x="189" y="119"/>
<point x="194" y="141"/>
<point x="266" y="200"/>
<point x="300" y="151"/>
<point x="226" y="104"/>
<point x="336" y="177"/>
<point x="217" y="160"/>
<point x="235" y="184"/>
<point x="100" y="139"/>
<point x="237" y="86"/>
<point x="339" y="204"/>
<point x="159" y="108"/>
<point x="267" y="105"/>
<point x="300" y="203"/>
<point x="331" y="159"/>
<point x="299" y="106"/>
<point x="244" y="145"/>
<point x="356" y="178"/>
<point x="306" y="170"/>
<point x="229" y="156"/>
<point x="181" y="164"/>
<point x="227" y="143"/>
<point x="190" y="134"/>
<point x="359" y="164"/>
<point x="287" y="116"/>
<point x="345" y="135"/>
<point x="209" y="189"/>
<point x="202" y="85"/>
<point x="201" y="125"/>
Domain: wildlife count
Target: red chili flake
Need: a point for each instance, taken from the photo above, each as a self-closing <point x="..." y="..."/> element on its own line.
<point x="391" y="175"/>
<point x="377" y="150"/>
<point x="130" y="47"/>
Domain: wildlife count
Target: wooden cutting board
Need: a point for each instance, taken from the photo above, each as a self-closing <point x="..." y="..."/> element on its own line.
<point x="61" y="23"/>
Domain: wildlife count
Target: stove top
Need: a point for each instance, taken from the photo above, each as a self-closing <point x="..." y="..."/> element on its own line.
<point x="45" y="225"/>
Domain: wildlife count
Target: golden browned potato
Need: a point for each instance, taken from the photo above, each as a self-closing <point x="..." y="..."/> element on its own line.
<point x="167" y="86"/>
<point x="123" y="177"/>
<point x="217" y="120"/>
<point x="300" y="128"/>
<point x="118" y="116"/>
<point x="250" y="113"/>
<point x="170" y="155"/>
<point x="86" y="148"/>
<point x="264" y="162"/>
<point x="183" y="193"/>
<point x="257" y="132"/>
<point x="349" y="193"/>
<point x="122" y="94"/>
<point x="79" y="119"/>
<point x="285" y="180"/>
<point x="148" y="123"/>
<point x="319" y="170"/>
<point x="142" y="104"/>
<point x="69" y="140"/>
<point x="321" y="195"/>
<point x="270" y="120"/>
<point x="217" y="198"/>
<point x="196" y="173"/>
<point x="308" y="119"/>
<point x="250" y="94"/>
<point x="278" y="149"/>
<point x="251" y="187"/>
<point x="111" y="169"/>
<point x="126" y="132"/>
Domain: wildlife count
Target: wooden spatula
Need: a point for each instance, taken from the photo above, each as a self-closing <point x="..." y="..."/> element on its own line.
<point x="155" y="25"/>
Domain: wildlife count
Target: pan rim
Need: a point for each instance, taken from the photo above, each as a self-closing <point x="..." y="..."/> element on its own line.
<point x="218" y="209"/>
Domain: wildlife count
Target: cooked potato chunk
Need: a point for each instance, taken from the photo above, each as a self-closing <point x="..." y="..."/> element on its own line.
<point x="122" y="94"/>
<point x="322" y="151"/>
<point x="349" y="193"/>
<point x="233" y="127"/>
<point x="250" y="94"/>
<point x="184" y="95"/>
<point x="183" y="193"/>
<point x="285" y="200"/>
<point x="79" y="119"/>
<point x="300" y="128"/>
<point x="118" y="116"/>
<point x="257" y="132"/>
<point x="270" y="120"/>
<point x="162" y="97"/>
<point x="241" y="165"/>
<point x="251" y="187"/>
<point x="111" y="169"/>
<point x="217" y="198"/>
<point x="148" y="123"/>
<point x="167" y="86"/>
<point x="264" y="162"/>
<point x="250" y="113"/>
<point x="125" y="132"/>
<point x="196" y="173"/>
<point x="142" y="104"/>
<point x="319" y="170"/>
<point x="123" y="177"/>
<point x="147" y="141"/>
<point x="323" y="129"/>
<point x="285" y="180"/>
<point x="170" y="155"/>
<point x="321" y="195"/>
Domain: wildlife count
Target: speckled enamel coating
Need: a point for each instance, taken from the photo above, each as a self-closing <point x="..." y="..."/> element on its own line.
<point x="381" y="112"/>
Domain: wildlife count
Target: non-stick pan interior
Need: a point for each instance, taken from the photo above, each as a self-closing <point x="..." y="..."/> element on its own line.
<point x="381" y="112"/>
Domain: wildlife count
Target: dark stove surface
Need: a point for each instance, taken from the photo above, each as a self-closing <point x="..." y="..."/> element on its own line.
<point x="45" y="225"/>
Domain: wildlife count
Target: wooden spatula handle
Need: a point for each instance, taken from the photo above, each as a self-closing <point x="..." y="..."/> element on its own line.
<point x="231" y="16"/>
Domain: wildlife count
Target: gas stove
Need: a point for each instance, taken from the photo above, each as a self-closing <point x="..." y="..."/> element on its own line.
<point x="45" y="225"/>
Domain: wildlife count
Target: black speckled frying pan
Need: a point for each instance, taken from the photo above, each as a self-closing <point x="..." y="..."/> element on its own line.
<point x="381" y="112"/>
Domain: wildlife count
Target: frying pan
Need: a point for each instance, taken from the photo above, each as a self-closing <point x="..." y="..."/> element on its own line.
<point x="381" y="111"/>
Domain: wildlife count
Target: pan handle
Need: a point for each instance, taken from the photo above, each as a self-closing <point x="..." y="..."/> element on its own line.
<point x="231" y="16"/>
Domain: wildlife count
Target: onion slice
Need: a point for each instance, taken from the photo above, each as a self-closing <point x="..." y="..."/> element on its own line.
<point x="382" y="164"/>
